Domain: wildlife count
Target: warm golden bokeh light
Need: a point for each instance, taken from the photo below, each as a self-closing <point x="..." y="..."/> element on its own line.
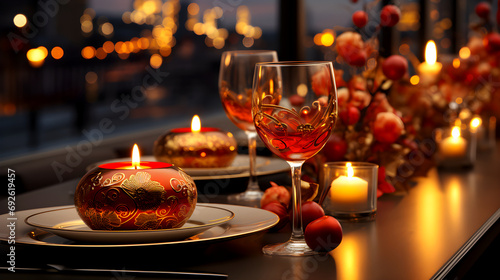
<point x="108" y="47"/>
<point x="327" y="39"/>
<point x="155" y="61"/>
<point x="100" y="53"/>
<point x="107" y="29"/>
<point x="88" y="52"/>
<point x="20" y="20"/>
<point x="456" y="63"/>
<point x="414" y="80"/>
<point x="57" y="52"/>
<point x="464" y="53"/>
<point x="37" y="56"/>
<point x="193" y="9"/>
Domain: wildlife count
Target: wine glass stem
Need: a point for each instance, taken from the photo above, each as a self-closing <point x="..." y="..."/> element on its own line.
<point x="253" y="184"/>
<point x="297" y="231"/>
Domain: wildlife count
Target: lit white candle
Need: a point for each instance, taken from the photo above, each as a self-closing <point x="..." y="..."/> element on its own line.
<point x="454" y="146"/>
<point x="430" y="68"/>
<point x="349" y="193"/>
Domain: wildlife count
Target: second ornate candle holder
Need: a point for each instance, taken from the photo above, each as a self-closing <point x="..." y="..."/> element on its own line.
<point x="350" y="190"/>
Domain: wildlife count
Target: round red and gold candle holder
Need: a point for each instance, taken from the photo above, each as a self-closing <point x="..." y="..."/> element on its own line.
<point x="117" y="196"/>
<point x="209" y="147"/>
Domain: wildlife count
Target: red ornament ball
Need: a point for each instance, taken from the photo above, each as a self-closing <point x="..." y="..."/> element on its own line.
<point x="483" y="9"/>
<point x="360" y="18"/>
<point x="323" y="234"/>
<point x="390" y="15"/>
<point x="395" y="67"/>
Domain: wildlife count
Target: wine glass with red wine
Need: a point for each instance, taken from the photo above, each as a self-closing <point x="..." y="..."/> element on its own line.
<point x="235" y="88"/>
<point x="294" y="110"/>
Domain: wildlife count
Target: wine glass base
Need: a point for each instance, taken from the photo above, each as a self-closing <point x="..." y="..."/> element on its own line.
<point x="248" y="198"/>
<point x="295" y="248"/>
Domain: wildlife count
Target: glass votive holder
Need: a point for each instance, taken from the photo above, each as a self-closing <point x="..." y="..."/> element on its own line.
<point x="486" y="134"/>
<point x="349" y="190"/>
<point x="456" y="147"/>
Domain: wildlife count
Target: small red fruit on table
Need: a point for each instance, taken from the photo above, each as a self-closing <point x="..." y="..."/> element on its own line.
<point x="310" y="212"/>
<point x="280" y="210"/>
<point x="323" y="234"/>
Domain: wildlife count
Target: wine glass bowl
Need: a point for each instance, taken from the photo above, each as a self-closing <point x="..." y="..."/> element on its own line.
<point x="235" y="89"/>
<point x="295" y="110"/>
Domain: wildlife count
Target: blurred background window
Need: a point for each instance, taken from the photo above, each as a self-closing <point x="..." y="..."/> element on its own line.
<point x="67" y="65"/>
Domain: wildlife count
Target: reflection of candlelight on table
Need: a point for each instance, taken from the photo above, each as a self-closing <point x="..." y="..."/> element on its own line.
<point x="430" y="68"/>
<point x="349" y="192"/>
<point x="196" y="146"/>
<point x="453" y="146"/>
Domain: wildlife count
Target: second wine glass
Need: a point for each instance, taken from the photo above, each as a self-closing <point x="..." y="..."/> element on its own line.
<point x="295" y="109"/>
<point x="235" y="88"/>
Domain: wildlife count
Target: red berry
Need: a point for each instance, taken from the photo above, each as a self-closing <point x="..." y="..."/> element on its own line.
<point x="357" y="58"/>
<point x="310" y="212"/>
<point x="389" y="16"/>
<point x="360" y="18"/>
<point x="395" y="67"/>
<point x="483" y="9"/>
<point x="349" y="115"/>
<point x="492" y="42"/>
<point x="387" y="127"/>
<point x="323" y="234"/>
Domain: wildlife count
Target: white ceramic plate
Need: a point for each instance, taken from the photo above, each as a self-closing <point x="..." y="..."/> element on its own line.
<point x="240" y="164"/>
<point x="247" y="220"/>
<point x="66" y="222"/>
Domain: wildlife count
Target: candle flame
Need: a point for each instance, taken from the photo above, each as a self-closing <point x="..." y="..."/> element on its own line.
<point x="476" y="122"/>
<point x="430" y="52"/>
<point x="195" y="124"/>
<point x="136" y="157"/>
<point x="350" y="171"/>
<point x="455" y="132"/>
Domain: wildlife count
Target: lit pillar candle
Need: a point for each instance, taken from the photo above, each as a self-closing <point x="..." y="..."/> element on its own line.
<point x="135" y="195"/>
<point x="454" y="146"/>
<point x="196" y="147"/>
<point x="349" y="193"/>
<point x="429" y="69"/>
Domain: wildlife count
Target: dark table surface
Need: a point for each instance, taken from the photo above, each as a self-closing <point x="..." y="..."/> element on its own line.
<point x="434" y="230"/>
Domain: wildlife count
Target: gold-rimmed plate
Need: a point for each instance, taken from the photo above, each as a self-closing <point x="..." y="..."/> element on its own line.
<point x="65" y="222"/>
<point x="246" y="221"/>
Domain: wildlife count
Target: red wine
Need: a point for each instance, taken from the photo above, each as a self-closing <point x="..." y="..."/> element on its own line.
<point x="238" y="109"/>
<point x="291" y="139"/>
